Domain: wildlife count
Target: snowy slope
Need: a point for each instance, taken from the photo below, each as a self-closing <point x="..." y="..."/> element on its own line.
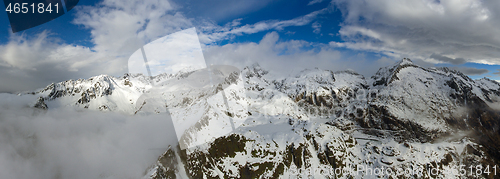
<point x="249" y="123"/>
<point x="324" y="120"/>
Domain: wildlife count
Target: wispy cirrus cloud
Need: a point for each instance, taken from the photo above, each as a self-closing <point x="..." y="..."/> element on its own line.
<point x="314" y="2"/>
<point x="221" y="10"/>
<point x="316" y="27"/>
<point x="213" y="33"/>
<point x="497" y="72"/>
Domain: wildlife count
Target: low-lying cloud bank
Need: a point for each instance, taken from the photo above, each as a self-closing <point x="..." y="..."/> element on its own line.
<point x="71" y="143"/>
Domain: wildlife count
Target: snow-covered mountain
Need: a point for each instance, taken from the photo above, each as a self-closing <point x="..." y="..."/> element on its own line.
<point x="250" y="124"/>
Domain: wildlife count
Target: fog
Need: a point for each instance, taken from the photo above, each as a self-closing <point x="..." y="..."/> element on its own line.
<point x="77" y="143"/>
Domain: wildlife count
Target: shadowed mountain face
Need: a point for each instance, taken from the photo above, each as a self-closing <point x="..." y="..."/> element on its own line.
<point x="404" y="116"/>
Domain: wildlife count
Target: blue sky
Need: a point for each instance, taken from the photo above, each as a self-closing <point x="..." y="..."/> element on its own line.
<point x="283" y="35"/>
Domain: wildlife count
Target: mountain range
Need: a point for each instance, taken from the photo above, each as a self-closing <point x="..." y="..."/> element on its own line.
<point x="318" y="123"/>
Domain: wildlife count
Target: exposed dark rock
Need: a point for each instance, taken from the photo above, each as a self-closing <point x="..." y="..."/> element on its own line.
<point x="40" y="103"/>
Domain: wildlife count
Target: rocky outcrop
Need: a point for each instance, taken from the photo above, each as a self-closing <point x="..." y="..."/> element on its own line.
<point x="40" y="103"/>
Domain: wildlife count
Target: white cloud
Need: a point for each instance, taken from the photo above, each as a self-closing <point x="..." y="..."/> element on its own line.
<point x="471" y="71"/>
<point x="121" y="27"/>
<point x="455" y="61"/>
<point x="221" y="10"/>
<point x="65" y="143"/>
<point x="316" y="27"/>
<point x="118" y="28"/>
<point x="30" y="63"/>
<point x="314" y="2"/>
<point x="497" y="72"/>
<point x="212" y="33"/>
<point x="184" y="53"/>
<point x="289" y="57"/>
<point x="465" y="29"/>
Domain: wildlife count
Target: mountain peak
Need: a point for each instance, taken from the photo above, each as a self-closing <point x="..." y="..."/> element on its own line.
<point x="254" y="70"/>
<point x="387" y="74"/>
<point x="405" y="61"/>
